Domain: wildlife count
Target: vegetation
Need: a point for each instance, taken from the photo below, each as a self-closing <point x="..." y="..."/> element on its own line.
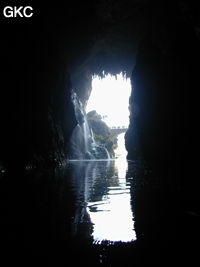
<point x="101" y="131"/>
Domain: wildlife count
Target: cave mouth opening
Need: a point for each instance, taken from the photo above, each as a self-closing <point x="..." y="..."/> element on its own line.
<point x="106" y="186"/>
<point x="109" y="101"/>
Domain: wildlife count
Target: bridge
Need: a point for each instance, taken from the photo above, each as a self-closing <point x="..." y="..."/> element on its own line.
<point x="118" y="130"/>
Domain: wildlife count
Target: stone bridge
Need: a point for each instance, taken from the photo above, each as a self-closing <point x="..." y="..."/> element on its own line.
<point x="118" y="130"/>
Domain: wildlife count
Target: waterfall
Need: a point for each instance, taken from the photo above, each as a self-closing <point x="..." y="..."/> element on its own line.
<point x="85" y="134"/>
<point x="107" y="153"/>
<point x="82" y="143"/>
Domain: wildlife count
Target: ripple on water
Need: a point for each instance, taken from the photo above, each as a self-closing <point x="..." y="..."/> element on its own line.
<point x="103" y="188"/>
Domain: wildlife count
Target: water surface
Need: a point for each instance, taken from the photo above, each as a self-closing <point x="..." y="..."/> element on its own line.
<point x="103" y="199"/>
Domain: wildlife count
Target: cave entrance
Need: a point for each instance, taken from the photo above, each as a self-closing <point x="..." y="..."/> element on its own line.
<point x="103" y="181"/>
<point x="109" y="105"/>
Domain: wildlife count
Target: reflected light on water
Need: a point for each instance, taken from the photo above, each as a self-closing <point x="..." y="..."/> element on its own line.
<point x="112" y="216"/>
<point x="121" y="163"/>
<point x="103" y="196"/>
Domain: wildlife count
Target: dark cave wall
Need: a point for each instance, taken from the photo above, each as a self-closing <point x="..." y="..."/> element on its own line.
<point x="36" y="110"/>
<point x="38" y="59"/>
<point x="164" y="100"/>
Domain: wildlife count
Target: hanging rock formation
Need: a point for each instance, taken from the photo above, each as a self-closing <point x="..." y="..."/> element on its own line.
<point x="45" y="57"/>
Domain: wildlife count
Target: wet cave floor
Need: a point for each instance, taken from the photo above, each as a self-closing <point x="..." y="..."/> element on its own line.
<point x="64" y="215"/>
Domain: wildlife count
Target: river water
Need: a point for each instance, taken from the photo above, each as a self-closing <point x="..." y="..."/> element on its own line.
<point x="103" y="199"/>
<point x="80" y="212"/>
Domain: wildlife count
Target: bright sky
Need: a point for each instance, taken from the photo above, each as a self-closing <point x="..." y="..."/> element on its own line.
<point x="110" y="97"/>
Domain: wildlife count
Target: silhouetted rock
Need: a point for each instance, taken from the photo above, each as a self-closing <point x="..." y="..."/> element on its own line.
<point x="59" y="49"/>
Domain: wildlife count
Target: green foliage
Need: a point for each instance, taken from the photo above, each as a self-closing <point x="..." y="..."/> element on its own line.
<point x="101" y="131"/>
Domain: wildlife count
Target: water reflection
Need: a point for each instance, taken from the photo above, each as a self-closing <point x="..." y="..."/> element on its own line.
<point x="103" y="196"/>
